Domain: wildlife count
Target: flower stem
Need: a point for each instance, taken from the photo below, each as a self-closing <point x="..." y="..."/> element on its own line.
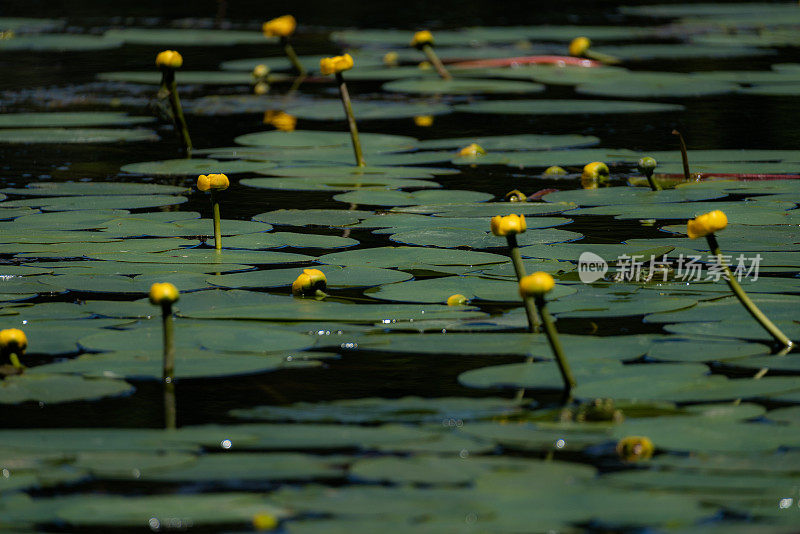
<point x="168" y="82"/>
<point x="684" y="156"/>
<point x="217" y="223"/>
<point x="290" y="53"/>
<point x="169" y="367"/>
<point x="654" y="185"/>
<point x="519" y="268"/>
<point x="436" y="62"/>
<point x="15" y="361"/>
<point x="555" y="344"/>
<point x="749" y="305"/>
<point x="351" y="120"/>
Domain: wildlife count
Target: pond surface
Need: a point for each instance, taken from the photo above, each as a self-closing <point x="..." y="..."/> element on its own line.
<point x="379" y="406"/>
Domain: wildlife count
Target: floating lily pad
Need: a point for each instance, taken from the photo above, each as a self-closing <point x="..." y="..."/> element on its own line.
<point x="565" y="107"/>
<point x="311" y="63"/>
<point x="382" y="197"/>
<point x="109" y="202"/>
<point x="130" y="465"/>
<point x="74" y="135"/>
<point x="311" y="140"/>
<point x="68" y="119"/>
<point x="462" y="86"/>
<point x="453" y="238"/>
<point x="514" y="142"/>
<point x="94" y="188"/>
<point x="654" y="85"/>
<point x="345" y="183"/>
<point x="185" y="37"/>
<point x="439" y="289"/>
<point x="408" y="257"/>
<point x="207" y="256"/>
<point x="25" y="24"/>
<point x="487" y="209"/>
<point x="263" y="240"/>
<point x="53" y="389"/>
<point x="312" y="217"/>
<point x="355" y="174"/>
<point x="630" y="195"/>
<point x="681" y="51"/>
<point x="59" y="42"/>
<point x="183" y="77"/>
<point x="194" y="167"/>
<point x="367" y="110"/>
<point x="338" y="277"/>
<point x="134" y="226"/>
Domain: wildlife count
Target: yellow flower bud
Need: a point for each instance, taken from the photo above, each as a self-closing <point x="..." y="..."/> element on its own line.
<point x="169" y="59"/>
<point x="265" y="522"/>
<point x="472" y="151"/>
<point x="279" y="27"/>
<point x="597" y="170"/>
<point x="217" y="182"/>
<point x="536" y="284"/>
<point x="163" y="293"/>
<point x="425" y="65"/>
<point x="554" y="170"/>
<point x="335" y="64"/>
<point x="423" y="121"/>
<point x="516" y="196"/>
<point x="390" y="59"/>
<point x="579" y="46"/>
<point x="421" y="39"/>
<point x="457" y="300"/>
<point x="508" y="225"/>
<point x="635" y="448"/>
<point x="260" y="71"/>
<point x="261" y="88"/>
<point x="13" y="340"/>
<point x="309" y="282"/>
<point x="280" y="120"/>
<point x="705" y="224"/>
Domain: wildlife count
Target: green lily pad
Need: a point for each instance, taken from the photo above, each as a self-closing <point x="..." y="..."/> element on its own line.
<point x="391" y="223"/>
<point x="312" y="217"/>
<point x="630" y="195"/>
<point x="367" y="110"/>
<point x="25" y="24"/>
<point x="207" y="256"/>
<point x="680" y="51"/>
<point x="382" y="197"/>
<point x="439" y="289"/>
<point x="307" y="139"/>
<point x="375" y="410"/>
<point x="655" y="85"/>
<point x="67" y="119"/>
<point x="94" y="188"/>
<point x="513" y="142"/>
<point x="461" y="86"/>
<point x="194" y="167"/>
<point x="134" y="226"/>
<point x="565" y="107"/>
<point x="263" y="240"/>
<point x="452" y="238"/>
<point x="409" y="257"/>
<point x="182" y="77"/>
<point x="311" y="63"/>
<point x="487" y="209"/>
<point x="53" y="389"/>
<point x="73" y="135"/>
<point x="185" y="37"/>
<point x="344" y="183"/>
<point x="59" y="42"/>
<point x="98" y="202"/>
<point x="356" y="175"/>
<point x="703" y="350"/>
<point x="338" y="277"/>
<point x="130" y="465"/>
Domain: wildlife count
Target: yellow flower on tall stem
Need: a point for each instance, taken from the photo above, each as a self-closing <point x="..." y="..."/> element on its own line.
<point x="165" y="295"/>
<point x="508" y="227"/>
<point x="283" y="27"/>
<point x="336" y="65"/>
<point x="13" y="344"/>
<point x="210" y="183"/>
<point x="169" y="61"/>
<point x="705" y="226"/>
<point x="581" y="47"/>
<point x="423" y="41"/>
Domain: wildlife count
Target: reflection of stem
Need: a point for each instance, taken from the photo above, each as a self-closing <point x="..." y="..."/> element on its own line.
<point x="684" y="155"/>
<point x="293" y="89"/>
<point x="169" y="367"/>
<point x="217" y="223"/>
<point x="519" y="268"/>
<point x="346" y="232"/>
<point x="351" y="121"/>
<point x="289" y="51"/>
<point x="749" y="305"/>
<point x="436" y="62"/>
<point x="555" y="344"/>
<point x="168" y="82"/>
<point x="654" y="185"/>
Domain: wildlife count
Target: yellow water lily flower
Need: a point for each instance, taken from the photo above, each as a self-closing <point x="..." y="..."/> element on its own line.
<point x="579" y="46"/>
<point x="217" y="182"/>
<point x="260" y="71"/>
<point x="279" y="27"/>
<point x="280" y="120"/>
<point x="596" y="170"/>
<point x="163" y="293"/>
<point x="554" y="170"/>
<point x="508" y="225"/>
<point x="635" y="448"/>
<point x="536" y="284"/>
<point x="423" y="121"/>
<point x="516" y="196"/>
<point x="457" y="300"/>
<point x="169" y="59"/>
<point x="335" y="64"/>
<point x="265" y="521"/>
<point x="471" y="151"/>
<point x="421" y="39"/>
<point x="309" y="282"/>
<point x="390" y="59"/>
<point x="13" y="340"/>
<point x="705" y="224"/>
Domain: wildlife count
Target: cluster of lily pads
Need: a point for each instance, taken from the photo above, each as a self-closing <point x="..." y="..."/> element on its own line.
<point x="344" y="247"/>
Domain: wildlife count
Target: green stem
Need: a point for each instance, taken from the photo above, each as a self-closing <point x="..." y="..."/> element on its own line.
<point x="555" y="344"/>
<point x="519" y="268"/>
<point x="654" y="185"/>
<point x="602" y="58"/>
<point x="15" y="361"/>
<point x="168" y="82"/>
<point x="351" y="120"/>
<point x="169" y="367"/>
<point x="217" y="223"/>
<point x="436" y="62"/>
<point x="290" y="53"/>
<point x="749" y="305"/>
<point x="684" y="156"/>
